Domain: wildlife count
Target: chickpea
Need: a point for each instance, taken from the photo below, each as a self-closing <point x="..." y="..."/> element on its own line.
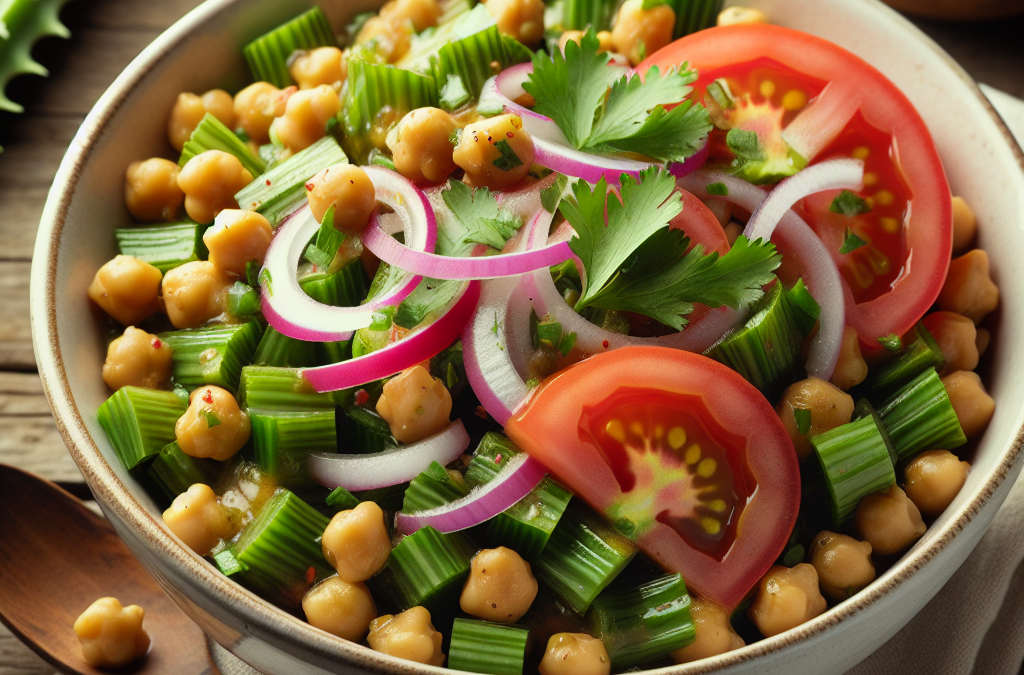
<point x="888" y="521"/>
<point x="112" y="636"/>
<point x="604" y="40"/>
<point x="484" y="162"/>
<point x="349" y="190"/>
<point x="213" y="426"/>
<point x="194" y="293"/>
<point x="421" y="145"/>
<point x="732" y="16"/>
<point x="127" y="289"/>
<point x="971" y="403"/>
<point x="500" y="587"/>
<point x="422" y="14"/>
<point x="829" y="406"/>
<point x="189" y="110"/>
<point x="392" y="38"/>
<point x="640" y="32"/>
<point x="786" y="598"/>
<point x="198" y="519"/>
<point x="415" y="405"/>
<point x="137" y="359"/>
<point x="575" y="654"/>
<point x="519" y="19"/>
<point x="210" y="181"/>
<point x="957" y="338"/>
<point x="732" y="232"/>
<point x="984" y="336"/>
<point x="321" y="66"/>
<point x="151" y="190"/>
<point x="305" y="117"/>
<point x="851" y="369"/>
<point x="340" y="608"/>
<point x="356" y="542"/>
<point x="409" y="636"/>
<point x="969" y="289"/>
<point x="236" y="238"/>
<point x="254" y="109"/>
<point x="965" y="225"/>
<point x="933" y="480"/>
<point x="843" y="564"/>
<point x="715" y="634"/>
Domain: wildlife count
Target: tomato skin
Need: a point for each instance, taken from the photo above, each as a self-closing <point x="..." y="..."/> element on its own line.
<point x="700" y="225"/>
<point x="547" y="429"/>
<point x="928" y="227"/>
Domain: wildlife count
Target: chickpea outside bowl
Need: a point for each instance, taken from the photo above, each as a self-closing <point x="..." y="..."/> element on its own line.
<point x="200" y="53"/>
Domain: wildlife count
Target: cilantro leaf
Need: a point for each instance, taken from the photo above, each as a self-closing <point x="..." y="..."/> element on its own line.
<point x="891" y="343"/>
<point x="211" y="418"/>
<point x="646" y="206"/>
<point x="509" y="159"/>
<point x="569" y="88"/>
<point x="632" y="100"/>
<point x="430" y="296"/>
<point x="668" y="136"/>
<point x="745" y="145"/>
<point x="718" y="189"/>
<point x="326" y="242"/>
<point x="851" y="242"/>
<point x="483" y="220"/>
<point x="552" y="194"/>
<point x="667" y="293"/>
<point x="803" y="420"/>
<point x="849" y="204"/>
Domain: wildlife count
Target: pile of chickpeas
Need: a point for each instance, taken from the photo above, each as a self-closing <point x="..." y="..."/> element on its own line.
<point x="501" y="586"/>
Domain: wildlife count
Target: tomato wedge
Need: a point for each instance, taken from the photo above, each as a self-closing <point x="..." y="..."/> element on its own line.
<point x="808" y="98"/>
<point x="681" y="453"/>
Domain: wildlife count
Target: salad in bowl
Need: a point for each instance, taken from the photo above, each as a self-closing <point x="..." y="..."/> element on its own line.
<point x="569" y="338"/>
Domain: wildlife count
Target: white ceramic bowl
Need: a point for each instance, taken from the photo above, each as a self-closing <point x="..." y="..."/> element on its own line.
<point x="203" y="51"/>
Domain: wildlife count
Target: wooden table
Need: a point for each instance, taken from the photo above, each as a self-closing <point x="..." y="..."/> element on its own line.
<point x="106" y="36"/>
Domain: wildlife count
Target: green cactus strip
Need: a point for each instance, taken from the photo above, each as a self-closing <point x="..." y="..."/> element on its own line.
<point x="22" y="23"/>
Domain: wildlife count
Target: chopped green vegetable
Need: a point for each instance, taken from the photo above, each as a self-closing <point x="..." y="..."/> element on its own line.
<point x="140" y="422"/>
<point x="268" y="55"/>
<point x="855" y="462"/>
<point x="509" y="159"/>
<point x="718" y="189"/>
<point x="490" y="648"/>
<point x="851" y="242"/>
<point x="174" y="472"/>
<point x="920" y="417"/>
<point x="803" y="420"/>
<point x="426" y="568"/>
<point x="849" y="203"/>
<point x="213" y="355"/>
<point x="211" y="134"/>
<point x="891" y="343"/>
<point x="163" y="246"/>
<point x="283" y="442"/>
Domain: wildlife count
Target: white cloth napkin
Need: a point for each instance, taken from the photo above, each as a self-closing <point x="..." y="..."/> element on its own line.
<point x="975" y="625"/>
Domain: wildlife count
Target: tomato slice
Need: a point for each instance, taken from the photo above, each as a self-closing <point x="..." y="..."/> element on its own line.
<point x="826" y="103"/>
<point x="681" y="453"/>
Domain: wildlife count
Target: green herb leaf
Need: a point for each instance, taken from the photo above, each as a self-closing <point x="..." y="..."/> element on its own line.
<point x="745" y="145"/>
<point x="566" y="344"/>
<point x="552" y="194"/>
<point x="211" y="419"/>
<point x="718" y="189"/>
<point x="432" y="295"/>
<point x="851" y="242"/>
<point x="509" y="159"/>
<point x="803" y="420"/>
<point x="252" y="273"/>
<point x="651" y="4"/>
<point x="569" y="87"/>
<point x="670" y="136"/>
<point x="849" y="204"/>
<point x="382" y="318"/>
<point x="794" y="556"/>
<point x="453" y="94"/>
<point x="646" y="206"/>
<point x="662" y="283"/>
<point x="632" y="101"/>
<point x="484" y="221"/>
<point x="326" y="243"/>
<point x="891" y="343"/>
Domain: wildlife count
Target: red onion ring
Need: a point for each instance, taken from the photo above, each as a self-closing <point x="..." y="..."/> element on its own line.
<point x="286" y="306"/>
<point x="820" y="272"/>
<point x="822" y="119"/>
<point x="417" y="347"/>
<point x="391" y="467"/>
<point x="516" y="479"/>
<point x="834" y="174"/>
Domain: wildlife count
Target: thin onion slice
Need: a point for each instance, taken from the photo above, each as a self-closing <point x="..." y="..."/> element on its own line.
<point x="516" y="479"/>
<point x="487" y="352"/>
<point x="435" y="266"/>
<point x="425" y="343"/>
<point x="819" y="270"/>
<point x="834" y="174"/>
<point x="286" y="306"/>
<point x="391" y="467"/>
<point x="821" y="120"/>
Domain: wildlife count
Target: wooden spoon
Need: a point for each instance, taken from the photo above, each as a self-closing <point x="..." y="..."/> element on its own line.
<point x="56" y="558"/>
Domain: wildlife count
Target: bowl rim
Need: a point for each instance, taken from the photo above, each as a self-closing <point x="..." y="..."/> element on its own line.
<point x="259" y="616"/>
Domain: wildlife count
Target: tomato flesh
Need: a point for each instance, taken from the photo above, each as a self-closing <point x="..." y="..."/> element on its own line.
<point x="680" y="453"/>
<point x="895" y="279"/>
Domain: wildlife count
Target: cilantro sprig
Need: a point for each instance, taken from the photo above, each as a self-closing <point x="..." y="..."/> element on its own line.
<point x="600" y="110"/>
<point x="636" y="263"/>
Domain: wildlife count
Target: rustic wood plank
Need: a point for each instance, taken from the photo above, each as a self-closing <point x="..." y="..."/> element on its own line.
<point x="34" y="148"/>
<point x="17" y="659"/>
<point x="128" y="14"/>
<point x="15" y="331"/>
<point x="33" y="444"/>
<point x="21" y="394"/>
<point x="22" y="209"/>
<point x="99" y="56"/>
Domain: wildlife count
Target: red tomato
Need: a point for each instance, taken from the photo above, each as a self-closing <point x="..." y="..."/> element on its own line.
<point x="680" y="453"/>
<point x="839" y="105"/>
<point x="700" y="225"/>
